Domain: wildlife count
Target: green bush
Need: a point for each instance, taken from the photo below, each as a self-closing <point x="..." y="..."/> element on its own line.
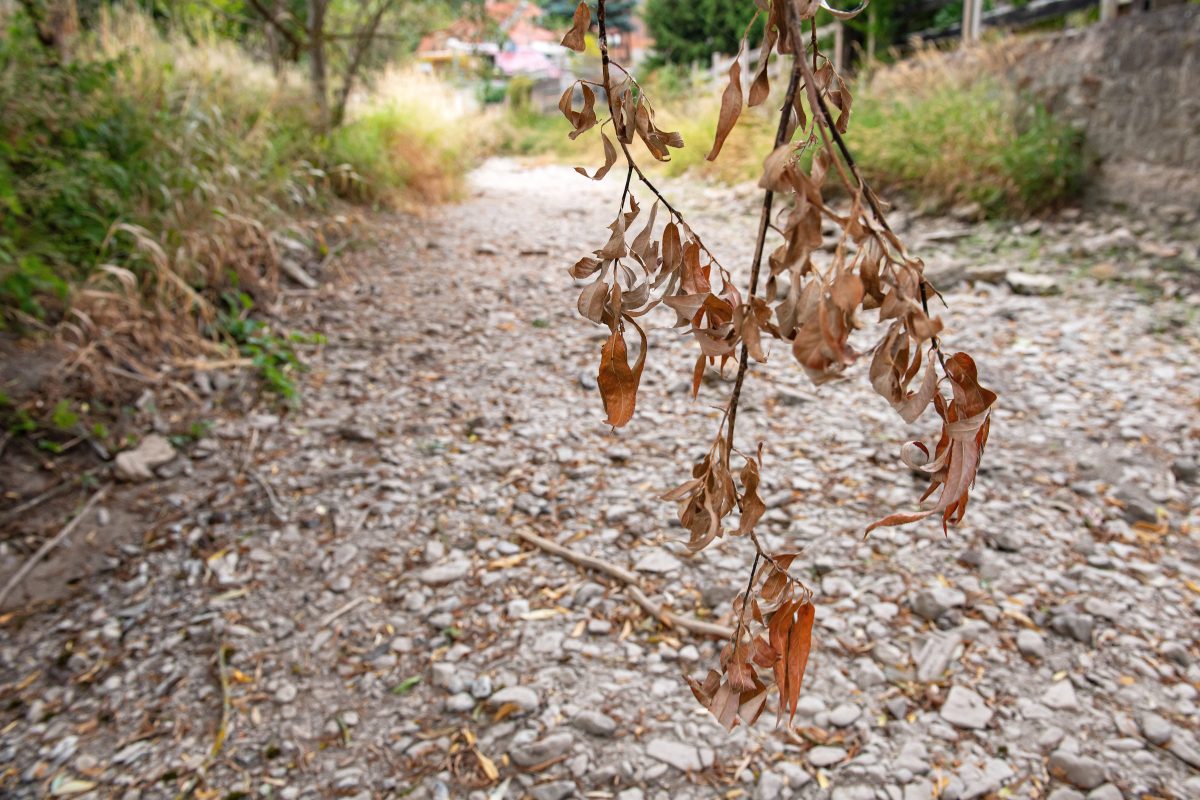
<point x="978" y="141"/>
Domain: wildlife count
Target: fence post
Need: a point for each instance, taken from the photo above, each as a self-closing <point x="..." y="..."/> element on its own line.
<point x="1108" y="10"/>
<point x="839" y="45"/>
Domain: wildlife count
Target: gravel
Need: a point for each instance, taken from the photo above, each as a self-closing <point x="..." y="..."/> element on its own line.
<point x="1056" y="626"/>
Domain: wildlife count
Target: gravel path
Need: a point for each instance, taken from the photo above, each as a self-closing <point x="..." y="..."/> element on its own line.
<point x="377" y="630"/>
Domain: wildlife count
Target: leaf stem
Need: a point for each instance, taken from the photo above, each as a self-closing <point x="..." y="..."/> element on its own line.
<point x="764" y="222"/>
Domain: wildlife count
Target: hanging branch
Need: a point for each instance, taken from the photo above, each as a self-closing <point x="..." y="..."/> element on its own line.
<point x="869" y="269"/>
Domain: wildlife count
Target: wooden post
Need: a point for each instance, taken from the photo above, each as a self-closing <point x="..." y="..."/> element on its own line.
<point x="968" y="16"/>
<point x="1108" y="10"/>
<point x="839" y="45"/>
<point x="976" y="20"/>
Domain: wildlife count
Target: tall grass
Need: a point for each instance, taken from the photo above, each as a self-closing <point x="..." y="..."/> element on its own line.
<point x="410" y="140"/>
<point x="950" y="127"/>
<point x="145" y="181"/>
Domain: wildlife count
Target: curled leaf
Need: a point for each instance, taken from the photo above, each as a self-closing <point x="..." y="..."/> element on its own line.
<point x="731" y="108"/>
<point x="610" y="158"/>
<point x="579" y="28"/>
<point x="618" y="382"/>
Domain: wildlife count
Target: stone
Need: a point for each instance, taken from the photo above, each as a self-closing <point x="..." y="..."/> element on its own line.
<point x="1061" y="696"/>
<point x="934" y="656"/>
<point x="631" y="794"/>
<point x="844" y="714"/>
<point x="932" y="603"/>
<point x="824" y="756"/>
<point x="771" y="786"/>
<point x="1079" y="771"/>
<point x="555" y="790"/>
<point x="441" y="574"/>
<point x="1073" y="625"/>
<point x="1031" y="644"/>
<point x="481" y="687"/>
<point x="866" y="674"/>
<point x="1136" y="506"/>
<point x="683" y="757"/>
<point x="286" y="693"/>
<point x="1186" y="470"/>
<point x="552" y="746"/>
<point x="797" y="776"/>
<point x="460" y="703"/>
<point x="447" y="676"/>
<point x="1108" y="791"/>
<point x="965" y="709"/>
<point x="1154" y="728"/>
<point x="919" y="790"/>
<point x="1063" y="793"/>
<point x="587" y="380"/>
<point x="1033" y="284"/>
<point x="139" y="463"/>
<point x="595" y="723"/>
<point x="1006" y="541"/>
<point x="1185" y="750"/>
<point x="522" y="697"/>
<point x="657" y="560"/>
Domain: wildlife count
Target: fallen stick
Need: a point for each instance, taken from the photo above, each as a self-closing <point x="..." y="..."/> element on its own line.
<point x="632" y="589"/>
<point x="50" y="544"/>
<point x="54" y="491"/>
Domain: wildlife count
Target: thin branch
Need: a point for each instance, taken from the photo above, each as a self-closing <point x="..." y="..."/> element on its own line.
<point x="277" y="25"/>
<point x="632" y="589"/>
<point x="50" y="544"/>
<point x="607" y="85"/>
<point x="764" y="221"/>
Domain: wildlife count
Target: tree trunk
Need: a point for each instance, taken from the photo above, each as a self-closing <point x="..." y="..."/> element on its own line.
<point x="316" y="60"/>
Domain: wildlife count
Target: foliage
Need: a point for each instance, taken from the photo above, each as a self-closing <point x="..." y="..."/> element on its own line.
<point x="146" y="178"/>
<point x="949" y="131"/>
<point x="272" y="355"/>
<point x="811" y="304"/>
<point x="151" y="138"/>
<point x="407" y="144"/>
<point x="691" y="31"/>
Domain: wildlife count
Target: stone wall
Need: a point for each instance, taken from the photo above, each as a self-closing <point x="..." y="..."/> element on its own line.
<point x="1133" y="86"/>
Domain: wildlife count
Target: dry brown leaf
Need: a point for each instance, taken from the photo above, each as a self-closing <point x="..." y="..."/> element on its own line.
<point x="731" y="108"/>
<point x="618" y="382"/>
<point x="579" y="27"/>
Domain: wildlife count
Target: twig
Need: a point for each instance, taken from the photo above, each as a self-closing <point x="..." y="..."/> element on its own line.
<point x="54" y="491"/>
<point x="277" y="508"/>
<point x="818" y="102"/>
<point x="632" y="590"/>
<point x="329" y="618"/>
<point x="50" y="544"/>
<point x="764" y="220"/>
<point x="605" y="61"/>
<point x="222" y="727"/>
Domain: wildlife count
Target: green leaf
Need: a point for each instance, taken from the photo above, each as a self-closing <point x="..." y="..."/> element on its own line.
<point x="407" y="685"/>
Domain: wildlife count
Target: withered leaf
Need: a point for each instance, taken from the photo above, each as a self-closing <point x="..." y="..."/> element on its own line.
<point x="731" y="108"/>
<point x="799" y="647"/>
<point x="579" y="28"/>
<point x="591" y="301"/>
<point x="751" y="504"/>
<point x="618" y="383"/>
<point x="610" y="158"/>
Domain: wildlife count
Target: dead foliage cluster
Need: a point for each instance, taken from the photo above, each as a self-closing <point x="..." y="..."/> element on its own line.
<point x="811" y="303"/>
